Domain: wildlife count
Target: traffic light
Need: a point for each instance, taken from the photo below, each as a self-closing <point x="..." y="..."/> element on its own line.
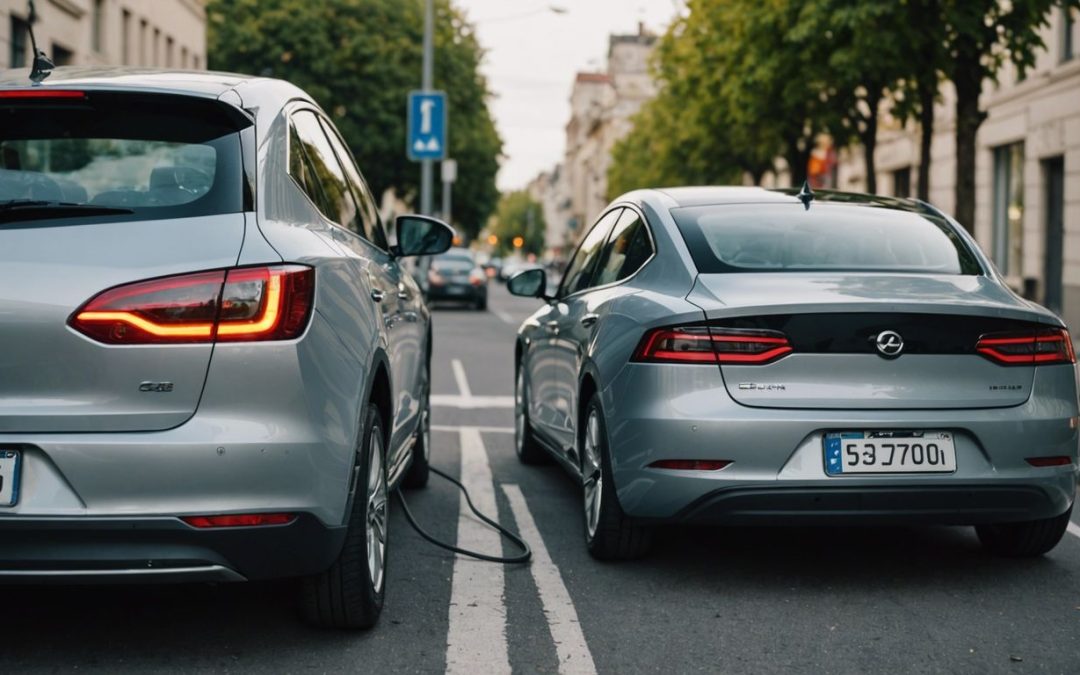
<point x="519" y="241"/>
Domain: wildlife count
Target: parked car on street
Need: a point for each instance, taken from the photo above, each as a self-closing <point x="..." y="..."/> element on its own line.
<point x="742" y="356"/>
<point x="213" y="367"/>
<point x="455" y="276"/>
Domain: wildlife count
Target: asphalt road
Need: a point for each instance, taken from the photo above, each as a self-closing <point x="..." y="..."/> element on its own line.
<point x="724" y="600"/>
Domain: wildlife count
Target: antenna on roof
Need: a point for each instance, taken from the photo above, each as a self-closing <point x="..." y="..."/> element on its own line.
<point x="43" y="65"/>
<point x="806" y="195"/>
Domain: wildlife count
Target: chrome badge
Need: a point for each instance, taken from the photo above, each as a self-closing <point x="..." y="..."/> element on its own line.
<point x="889" y="343"/>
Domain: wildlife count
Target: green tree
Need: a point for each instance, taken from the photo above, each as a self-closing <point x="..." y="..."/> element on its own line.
<point x="981" y="36"/>
<point x="518" y="215"/>
<point x="359" y="59"/>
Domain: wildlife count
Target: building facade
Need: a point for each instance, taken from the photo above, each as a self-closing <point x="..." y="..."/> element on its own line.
<point x="602" y="105"/>
<point x="146" y="33"/>
<point x="1027" y="214"/>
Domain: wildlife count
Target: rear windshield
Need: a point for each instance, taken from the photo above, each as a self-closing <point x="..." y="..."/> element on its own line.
<point x="152" y="157"/>
<point x="454" y="263"/>
<point x="834" y="238"/>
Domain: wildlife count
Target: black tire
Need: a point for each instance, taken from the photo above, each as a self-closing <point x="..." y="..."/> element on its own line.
<point x="1024" y="540"/>
<point x="614" y="536"/>
<point x="529" y="450"/>
<point x="420" y="469"/>
<point x="346" y="595"/>
<point x="481" y="304"/>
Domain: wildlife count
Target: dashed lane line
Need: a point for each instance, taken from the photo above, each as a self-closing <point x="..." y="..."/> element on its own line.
<point x="471" y="402"/>
<point x="574" y="655"/>
<point x="504" y="317"/>
<point x="486" y="430"/>
<point x="476" y="639"/>
<point x="1074" y="529"/>
<point x="459" y="377"/>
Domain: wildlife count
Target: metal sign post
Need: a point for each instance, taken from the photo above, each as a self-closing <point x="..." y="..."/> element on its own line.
<point x="449" y="176"/>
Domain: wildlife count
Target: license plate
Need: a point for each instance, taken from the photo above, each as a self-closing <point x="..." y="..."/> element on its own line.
<point x="850" y="452"/>
<point x="9" y="477"/>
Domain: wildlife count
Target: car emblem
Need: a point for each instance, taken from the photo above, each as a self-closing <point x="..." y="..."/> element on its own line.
<point x="889" y="343"/>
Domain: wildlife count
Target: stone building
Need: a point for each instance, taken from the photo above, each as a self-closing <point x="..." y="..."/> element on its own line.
<point x="148" y="33"/>
<point x="1027" y="213"/>
<point x="601" y="107"/>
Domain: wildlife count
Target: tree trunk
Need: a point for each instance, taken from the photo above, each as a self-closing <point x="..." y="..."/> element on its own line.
<point x="927" y="94"/>
<point x="968" y="78"/>
<point x="798" y="157"/>
<point x="868" y="136"/>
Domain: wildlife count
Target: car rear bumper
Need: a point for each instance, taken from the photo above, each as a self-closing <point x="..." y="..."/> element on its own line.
<point x="777" y="473"/>
<point x="160" y="550"/>
<point x="460" y="292"/>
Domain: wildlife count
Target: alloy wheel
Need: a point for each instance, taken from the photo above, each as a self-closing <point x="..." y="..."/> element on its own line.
<point x="592" y="473"/>
<point x="376" y="511"/>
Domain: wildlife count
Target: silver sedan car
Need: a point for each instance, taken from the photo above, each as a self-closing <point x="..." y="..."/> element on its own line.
<point x="213" y="367"/>
<point x="741" y="356"/>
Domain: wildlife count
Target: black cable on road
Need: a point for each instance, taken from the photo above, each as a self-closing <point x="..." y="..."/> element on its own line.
<point x="524" y="557"/>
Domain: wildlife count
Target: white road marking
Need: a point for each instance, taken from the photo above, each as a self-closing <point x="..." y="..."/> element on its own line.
<point x="1074" y="529"/>
<point x="570" y="645"/>
<point x="476" y="639"/>
<point x="462" y="381"/>
<point x="469" y="402"/>
<point x="504" y="317"/>
<point x="485" y="430"/>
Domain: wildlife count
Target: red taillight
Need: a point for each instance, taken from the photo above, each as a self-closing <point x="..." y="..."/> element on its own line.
<point x="41" y="93"/>
<point x="1049" y="461"/>
<point x="690" y="464"/>
<point x="700" y="344"/>
<point x="1044" y="347"/>
<point x="258" y="303"/>
<point x="240" y="520"/>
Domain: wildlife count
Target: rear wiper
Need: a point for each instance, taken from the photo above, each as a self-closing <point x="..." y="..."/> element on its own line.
<point x="37" y="209"/>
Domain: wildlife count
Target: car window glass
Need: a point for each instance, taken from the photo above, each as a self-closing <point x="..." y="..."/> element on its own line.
<point x="579" y="272"/>
<point x="627" y="249"/>
<point x="301" y="170"/>
<point x="369" y="215"/>
<point x="338" y="204"/>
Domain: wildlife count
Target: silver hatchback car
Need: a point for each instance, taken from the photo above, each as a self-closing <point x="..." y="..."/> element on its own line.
<point x="212" y="367"/>
<point x="744" y="356"/>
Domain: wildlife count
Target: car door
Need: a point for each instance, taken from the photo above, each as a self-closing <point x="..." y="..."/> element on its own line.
<point x="369" y="266"/>
<point x="407" y="326"/>
<point x="562" y="355"/>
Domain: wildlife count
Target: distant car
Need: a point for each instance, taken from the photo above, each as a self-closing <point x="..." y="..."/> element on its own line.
<point x="455" y="276"/>
<point x="742" y="356"/>
<point x="213" y="367"/>
<point x="493" y="267"/>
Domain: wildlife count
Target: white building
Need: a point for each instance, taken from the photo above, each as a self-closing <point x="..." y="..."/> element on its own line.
<point x="1027" y="213"/>
<point x="149" y="33"/>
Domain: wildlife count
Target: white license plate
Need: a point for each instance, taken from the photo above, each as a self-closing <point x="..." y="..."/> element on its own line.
<point x="850" y="452"/>
<point x="9" y="477"/>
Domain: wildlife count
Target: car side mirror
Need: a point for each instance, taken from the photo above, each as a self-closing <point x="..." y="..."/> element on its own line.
<point x="422" y="235"/>
<point x="529" y="283"/>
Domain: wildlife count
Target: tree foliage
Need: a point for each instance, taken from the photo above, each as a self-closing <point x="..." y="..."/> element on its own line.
<point x="359" y="59"/>
<point x="745" y="81"/>
<point x="518" y="215"/>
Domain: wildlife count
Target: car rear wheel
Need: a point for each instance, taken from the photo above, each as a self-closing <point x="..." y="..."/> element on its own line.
<point x="525" y="443"/>
<point x="609" y="534"/>
<point x="481" y="304"/>
<point x="350" y="594"/>
<point x="1024" y="540"/>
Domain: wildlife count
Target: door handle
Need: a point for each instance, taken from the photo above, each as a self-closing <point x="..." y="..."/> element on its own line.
<point x="552" y="327"/>
<point x="589" y="320"/>
<point x="404" y="295"/>
<point x="377" y="295"/>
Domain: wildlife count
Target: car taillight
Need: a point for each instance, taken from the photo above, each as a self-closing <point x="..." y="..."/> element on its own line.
<point x="477" y="278"/>
<point x="434" y="278"/>
<point x="700" y="344"/>
<point x="690" y="464"/>
<point x="1042" y="347"/>
<point x="245" y="304"/>
<point x="239" y="520"/>
<point x="42" y="93"/>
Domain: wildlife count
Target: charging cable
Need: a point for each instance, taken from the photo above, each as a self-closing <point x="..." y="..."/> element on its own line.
<point x="523" y="557"/>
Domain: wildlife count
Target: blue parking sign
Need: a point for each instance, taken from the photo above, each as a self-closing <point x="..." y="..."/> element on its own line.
<point x="427" y="125"/>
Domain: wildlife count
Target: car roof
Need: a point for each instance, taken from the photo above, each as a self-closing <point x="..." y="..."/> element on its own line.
<point x="205" y="83"/>
<point x="721" y="195"/>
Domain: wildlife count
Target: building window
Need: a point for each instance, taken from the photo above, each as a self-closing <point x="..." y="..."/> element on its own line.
<point x="168" y="52"/>
<point x="901" y="181"/>
<point x="20" y="42"/>
<point x="97" y="26"/>
<point x="1009" y="208"/>
<point x="183" y="57"/>
<point x="195" y="62"/>
<point x="142" y="43"/>
<point x="1068" y="32"/>
<point x="62" y="56"/>
<point x="155" y="54"/>
<point x="125" y="37"/>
